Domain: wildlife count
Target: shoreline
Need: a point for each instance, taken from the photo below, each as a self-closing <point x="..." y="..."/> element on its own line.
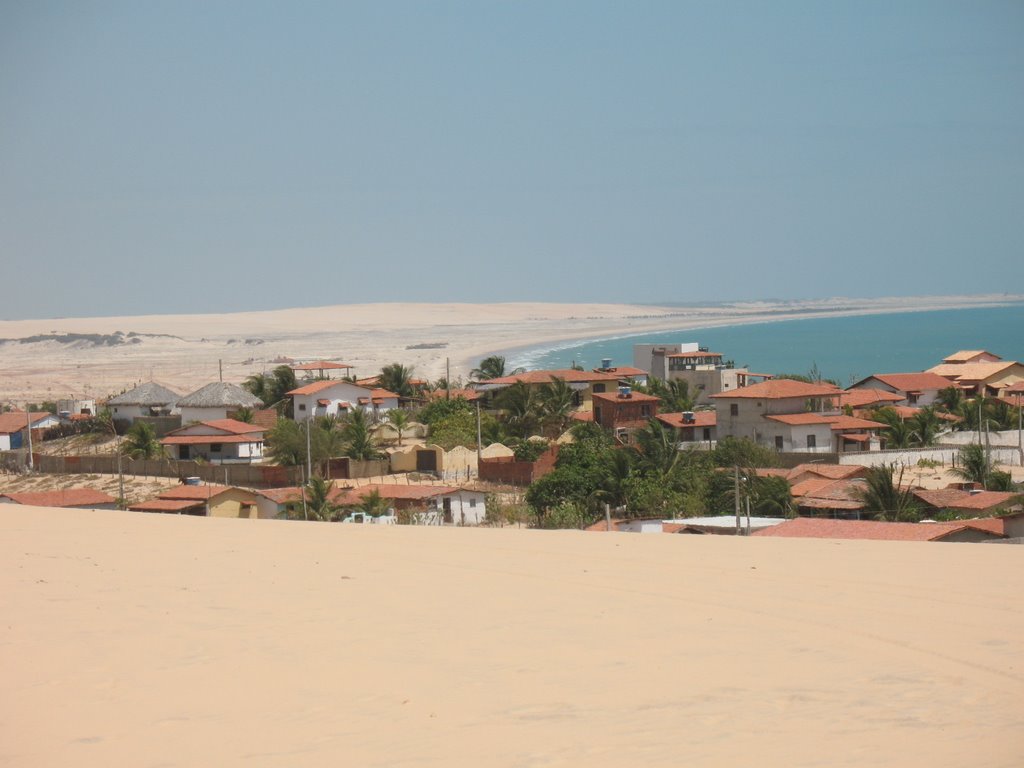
<point x="527" y="355"/>
<point x="184" y="352"/>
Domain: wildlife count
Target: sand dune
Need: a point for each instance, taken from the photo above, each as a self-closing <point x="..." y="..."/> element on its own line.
<point x="192" y="348"/>
<point x="165" y="641"/>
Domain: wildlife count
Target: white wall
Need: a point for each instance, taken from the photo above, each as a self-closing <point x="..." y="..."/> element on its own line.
<point x="910" y="456"/>
<point x="189" y="415"/>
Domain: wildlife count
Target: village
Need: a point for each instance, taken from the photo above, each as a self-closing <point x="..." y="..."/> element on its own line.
<point x="681" y="441"/>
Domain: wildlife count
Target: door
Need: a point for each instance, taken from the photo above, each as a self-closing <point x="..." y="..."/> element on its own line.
<point x="426" y="461"/>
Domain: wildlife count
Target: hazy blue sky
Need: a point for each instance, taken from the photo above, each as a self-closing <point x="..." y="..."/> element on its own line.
<point x="203" y="156"/>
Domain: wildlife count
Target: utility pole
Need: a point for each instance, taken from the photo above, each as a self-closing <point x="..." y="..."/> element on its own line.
<point x="607" y="516"/>
<point x="120" y="480"/>
<point x="309" y="453"/>
<point x="748" y="515"/>
<point x="736" y="495"/>
<point x="447" y="378"/>
<point x="479" y="439"/>
<point x="28" y="416"/>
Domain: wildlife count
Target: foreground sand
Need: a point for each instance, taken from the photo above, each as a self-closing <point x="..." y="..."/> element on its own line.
<point x="185" y="352"/>
<point x="164" y="641"/>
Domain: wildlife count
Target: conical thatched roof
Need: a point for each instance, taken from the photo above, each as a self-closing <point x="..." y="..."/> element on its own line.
<point x="220" y="394"/>
<point x="149" y="394"/>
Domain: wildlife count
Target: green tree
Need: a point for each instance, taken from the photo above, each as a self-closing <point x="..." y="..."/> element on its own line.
<point x="140" y="442"/>
<point x="950" y="399"/>
<point x="674" y="394"/>
<point x="459" y="428"/>
<point x="657" y="452"/>
<point x="373" y="504"/>
<point x="319" y="505"/>
<point x="743" y="452"/>
<point x="556" y="403"/>
<point x="925" y="427"/>
<point x="244" y="414"/>
<point x="442" y="408"/>
<point x="273" y="389"/>
<point x="399" y="419"/>
<point x="397" y="378"/>
<point x="886" y="497"/>
<point x="973" y="464"/>
<point x="492" y="367"/>
<point x="522" y="409"/>
<point x="359" y="442"/>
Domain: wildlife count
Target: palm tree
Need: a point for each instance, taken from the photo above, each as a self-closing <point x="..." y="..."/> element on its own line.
<point x="244" y="414"/>
<point x="674" y="394"/>
<point x="273" y="388"/>
<point x="557" y="400"/>
<point x="657" y="451"/>
<point x="925" y="427"/>
<point x="397" y="378"/>
<point x="399" y="420"/>
<point x="886" y="496"/>
<point x="950" y="399"/>
<point x="618" y="464"/>
<point x="140" y="442"/>
<point x="356" y="433"/>
<point x="522" y="409"/>
<point x="373" y="504"/>
<point x="975" y="464"/>
<point x="492" y="367"/>
<point x="319" y="505"/>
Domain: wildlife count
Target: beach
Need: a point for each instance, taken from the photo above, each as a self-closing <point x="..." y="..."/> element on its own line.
<point x="184" y="352"/>
<point x="163" y="641"/>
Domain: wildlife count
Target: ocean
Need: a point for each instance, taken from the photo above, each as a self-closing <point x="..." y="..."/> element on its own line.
<point x="845" y="349"/>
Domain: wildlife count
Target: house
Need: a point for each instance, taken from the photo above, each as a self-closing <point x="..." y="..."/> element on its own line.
<point x="428" y="504"/>
<point x="824" y="497"/>
<point x="69" y="407"/>
<point x="219" y="400"/>
<point x="14" y="427"/>
<point x="469" y="395"/>
<point x="782" y="413"/>
<point x="321" y="369"/>
<point x="989" y="378"/>
<point x="219" y="441"/>
<point x="692" y="426"/>
<point x="820" y="528"/>
<point x="69" y="498"/>
<point x="627" y="373"/>
<point x="202" y="500"/>
<point x="917" y="389"/>
<point x="273" y="503"/>
<point x="972" y="356"/>
<point x="973" y="502"/>
<point x="824" y="471"/>
<point x="705" y="372"/>
<point x="624" y="411"/>
<point x="149" y="399"/>
<point x="333" y="397"/>
<point x="585" y="384"/>
<point x="867" y="398"/>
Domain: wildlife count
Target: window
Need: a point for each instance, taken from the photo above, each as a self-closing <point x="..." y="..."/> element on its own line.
<point x="214" y="447"/>
<point x="472" y="503"/>
<point x="734" y="409"/>
<point x="913" y="397"/>
<point x="707" y="433"/>
<point x="778" y="442"/>
<point x="302" y="406"/>
<point x="599" y="388"/>
<point x="645" y="410"/>
<point x="812" y="441"/>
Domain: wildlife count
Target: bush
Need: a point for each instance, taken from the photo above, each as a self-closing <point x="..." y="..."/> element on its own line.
<point x="530" y="450"/>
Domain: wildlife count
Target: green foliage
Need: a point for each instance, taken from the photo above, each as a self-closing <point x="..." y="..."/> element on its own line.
<point x="318" y="502"/>
<point x="674" y="394"/>
<point x="492" y="367"/>
<point x="974" y="464"/>
<point x="459" y="428"/>
<point x="140" y="442"/>
<point x="743" y="452"/>
<point x="522" y="409"/>
<point x="567" y="514"/>
<point x="556" y="401"/>
<point x="245" y="415"/>
<point x="886" y="497"/>
<point x="397" y="378"/>
<point x="1000" y="481"/>
<point x="286" y="442"/>
<point x="530" y="450"/>
<point x="359" y="441"/>
<point x="373" y="504"/>
<point x="273" y="388"/>
<point x="443" y="408"/>
<point x="399" y="419"/>
<point x="950" y="399"/>
<point x="925" y="427"/>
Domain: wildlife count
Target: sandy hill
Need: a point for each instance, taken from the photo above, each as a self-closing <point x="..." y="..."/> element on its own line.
<point x="131" y="639"/>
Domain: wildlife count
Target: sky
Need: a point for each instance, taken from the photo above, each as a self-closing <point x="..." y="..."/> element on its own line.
<point x="221" y="156"/>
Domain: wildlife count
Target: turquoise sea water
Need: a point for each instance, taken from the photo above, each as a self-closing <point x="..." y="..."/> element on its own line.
<point x="844" y="348"/>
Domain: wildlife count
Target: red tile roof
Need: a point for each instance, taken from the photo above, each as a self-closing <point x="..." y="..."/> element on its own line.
<point x="15" y="421"/>
<point x="910" y="382"/>
<point x="68" y="497"/>
<point x="798" y="419"/>
<point x="232" y="426"/>
<point x="622" y="370"/>
<point x="316" y="386"/>
<point x="824" y="528"/>
<point x="165" y="505"/>
<point x="396" y="492"/>
<point x="571" y="376"/>
<point x="780" y="389"/>
<point x="465" y="394"/>
<point x="866" y="396"/>
<point x="700" y="419"/>
<point x="842" y="422"/>
<point x="252" y="437"/>
<point x="201" y="492"/>
<point x="975" y="501"/>
<point x="832" y="471"/>
<point x="582" y="416"/>
<point x="633" y="397"/>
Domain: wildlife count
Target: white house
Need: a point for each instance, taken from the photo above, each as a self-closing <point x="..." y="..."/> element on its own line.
<point x="430" y="504"/>
<point x="221" y="441"/>
<point x="784" y="414"/>
<point x="218" y="400"/>
<point x="336" y="398"/>
<point x="149" y="399"/>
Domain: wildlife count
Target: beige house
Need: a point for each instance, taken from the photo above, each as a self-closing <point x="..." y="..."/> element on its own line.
<point x="984" y="377"/>
<point x="202" y="500"/>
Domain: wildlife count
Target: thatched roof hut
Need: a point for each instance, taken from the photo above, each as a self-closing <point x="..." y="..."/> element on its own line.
<point x="220" y="394"/>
